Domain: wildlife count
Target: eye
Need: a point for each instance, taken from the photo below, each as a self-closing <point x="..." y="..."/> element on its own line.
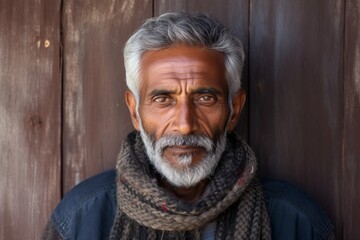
<point x="206" y="99"/>
<point x="162" y="100"/>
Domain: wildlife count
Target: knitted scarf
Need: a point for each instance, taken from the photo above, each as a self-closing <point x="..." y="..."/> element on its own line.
<point x="233" y="198"/>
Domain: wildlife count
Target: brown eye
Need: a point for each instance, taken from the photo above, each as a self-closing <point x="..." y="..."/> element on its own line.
<point x="206" y="99"/>
<point x="162" y="100"/>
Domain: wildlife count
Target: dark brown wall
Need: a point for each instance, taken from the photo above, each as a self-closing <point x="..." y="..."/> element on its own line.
<point x="351" y="144"/>
<point x="62" y="115"/>
<point x="30" y="101"/>
<point x="296" y="114"/>
<point x="95" y="117"/>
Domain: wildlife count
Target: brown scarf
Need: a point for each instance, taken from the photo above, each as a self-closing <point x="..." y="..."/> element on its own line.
<point x="233" y="198"/>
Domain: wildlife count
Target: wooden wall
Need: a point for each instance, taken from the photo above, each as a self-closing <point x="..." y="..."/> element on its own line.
<point x="30" y="116"/>
<point x="62" y="115"/>
<point x="350" y="197"/>
<point x="297" y="95"/>
<point x="95" y="117"/>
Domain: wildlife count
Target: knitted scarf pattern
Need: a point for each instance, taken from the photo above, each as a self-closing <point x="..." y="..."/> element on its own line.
<point x="233" y="198"/>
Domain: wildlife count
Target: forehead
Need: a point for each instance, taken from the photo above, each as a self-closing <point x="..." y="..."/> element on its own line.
<point x="201" y="65"/>
<point x="178" y="53"/>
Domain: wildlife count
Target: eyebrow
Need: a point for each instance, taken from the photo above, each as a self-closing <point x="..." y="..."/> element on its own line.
<point x="156" y="92"/>
<point x="206" y="90"/>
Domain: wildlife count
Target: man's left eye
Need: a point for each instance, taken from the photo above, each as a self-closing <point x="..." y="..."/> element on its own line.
<point x="206" y="99"/>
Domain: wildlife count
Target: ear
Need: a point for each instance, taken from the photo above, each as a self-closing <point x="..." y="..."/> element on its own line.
<point x="131" y="104"/>
<point x="238" y="102"/>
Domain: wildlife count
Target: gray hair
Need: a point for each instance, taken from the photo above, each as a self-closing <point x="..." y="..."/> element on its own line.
<point x="184" y="29"/>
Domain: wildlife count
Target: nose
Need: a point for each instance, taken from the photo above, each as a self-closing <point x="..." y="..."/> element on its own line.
<point x="184" y="118"/>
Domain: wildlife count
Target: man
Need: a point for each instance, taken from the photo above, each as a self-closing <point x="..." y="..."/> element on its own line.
<point x="183" y="174"/>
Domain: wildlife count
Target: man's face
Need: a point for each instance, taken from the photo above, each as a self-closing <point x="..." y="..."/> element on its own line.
<point x="183" y="109"/>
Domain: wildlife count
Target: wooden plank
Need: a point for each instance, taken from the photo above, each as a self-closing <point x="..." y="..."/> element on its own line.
<point x="296" y="114"/>
<point x="95" y="116"/>
<point x="351" y="174"/>
<point x="30" y="106"/>
<point x="232" y="13"/>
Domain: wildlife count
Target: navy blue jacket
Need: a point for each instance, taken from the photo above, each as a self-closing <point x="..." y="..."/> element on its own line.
<point x="88" y="210"/>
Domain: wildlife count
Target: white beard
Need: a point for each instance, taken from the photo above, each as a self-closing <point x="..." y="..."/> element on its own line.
<point x="187" y="175"/>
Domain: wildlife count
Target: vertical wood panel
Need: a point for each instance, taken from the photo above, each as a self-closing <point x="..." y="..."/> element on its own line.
<point x="233" y="14"/>
<point x="296" y="96"/>
<point x="95" y="116"/>
<point x="30" y="104"/>
<point x="351" y="161"/>
<point x="296" y="76"/>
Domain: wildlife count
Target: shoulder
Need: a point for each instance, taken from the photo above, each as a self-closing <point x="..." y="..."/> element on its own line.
<point x="292" y="213"/>
<point x="88" y="210"/>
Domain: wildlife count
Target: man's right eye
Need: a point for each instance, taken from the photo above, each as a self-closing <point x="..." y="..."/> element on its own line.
<point x="159" y="99"/>
<point x="162" y="100"/>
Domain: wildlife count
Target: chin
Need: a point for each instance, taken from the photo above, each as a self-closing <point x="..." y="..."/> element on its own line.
<point x="185" y="174"/>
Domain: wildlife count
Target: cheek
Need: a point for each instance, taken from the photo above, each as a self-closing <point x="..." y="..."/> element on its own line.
<point x="153" y="120"/>
<point x="213" y="120"/>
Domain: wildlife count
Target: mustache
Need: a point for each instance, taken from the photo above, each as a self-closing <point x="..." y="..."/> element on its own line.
<point x="187" y="140"/>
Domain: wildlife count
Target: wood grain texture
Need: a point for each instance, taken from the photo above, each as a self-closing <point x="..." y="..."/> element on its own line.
<point x="234" y="14"/>
<point x="95" y="116"/>
<point x="351" y="160"/>
<point x="296" y="76"/>
<point x="304" y="97"/>
<point x="30" y="106"/>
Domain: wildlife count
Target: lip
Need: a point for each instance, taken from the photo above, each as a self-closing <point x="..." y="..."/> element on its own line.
<point x="184" y="149"/>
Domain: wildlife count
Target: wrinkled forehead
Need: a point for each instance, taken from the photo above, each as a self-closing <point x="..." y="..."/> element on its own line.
<point x="196" y="52"/>
<point x="181" y="62"/>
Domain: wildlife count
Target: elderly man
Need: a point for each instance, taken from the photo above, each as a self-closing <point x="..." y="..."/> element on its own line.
<point x="183" y="174"/>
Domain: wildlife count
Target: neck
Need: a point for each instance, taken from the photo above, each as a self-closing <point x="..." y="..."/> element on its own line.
<point x="188" y="194"/>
